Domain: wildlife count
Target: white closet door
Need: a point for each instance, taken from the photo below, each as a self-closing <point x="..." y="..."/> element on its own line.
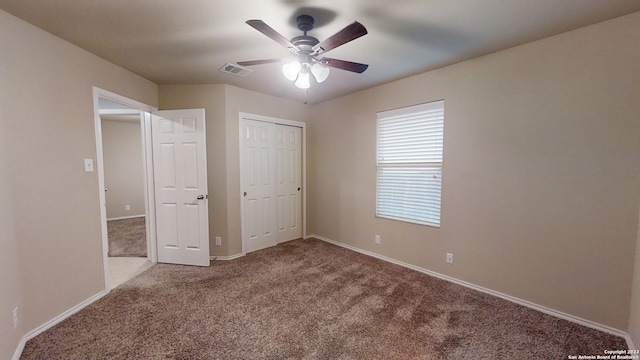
<point x="258" y="184"/>
<point x="271" y="183"/>
<point x="288" y="166"/>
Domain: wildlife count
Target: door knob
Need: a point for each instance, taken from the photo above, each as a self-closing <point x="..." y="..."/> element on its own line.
<point x="200" y="197"/>
<point x="245" y="193"/>
<point x="298" y="189"/>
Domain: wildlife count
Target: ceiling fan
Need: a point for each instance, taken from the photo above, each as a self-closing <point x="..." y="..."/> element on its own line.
<point x="308" y="50"/>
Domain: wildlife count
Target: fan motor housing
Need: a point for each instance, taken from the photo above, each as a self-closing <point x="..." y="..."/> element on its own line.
<point x="304" y="43"/>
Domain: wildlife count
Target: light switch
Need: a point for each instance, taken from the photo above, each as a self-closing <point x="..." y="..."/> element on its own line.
<point x="88" y="165"/>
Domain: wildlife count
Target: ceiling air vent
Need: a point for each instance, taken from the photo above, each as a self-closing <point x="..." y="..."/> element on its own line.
<point x="236" y="70"/>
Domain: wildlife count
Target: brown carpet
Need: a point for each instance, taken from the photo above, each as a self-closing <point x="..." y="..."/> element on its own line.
<point x="127" y="237"/>
<point x="308" y="299"/>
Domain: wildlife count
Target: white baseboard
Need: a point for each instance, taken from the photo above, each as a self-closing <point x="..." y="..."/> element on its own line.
<point x="18" y="352"/>
<point x="126" y="217"/>
<point x="543" y="309"/>
<point x="227" y="258"/>
<point x="49" y="324"/>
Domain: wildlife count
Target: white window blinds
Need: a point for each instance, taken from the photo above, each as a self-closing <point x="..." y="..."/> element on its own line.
<point x="410" y="144"/>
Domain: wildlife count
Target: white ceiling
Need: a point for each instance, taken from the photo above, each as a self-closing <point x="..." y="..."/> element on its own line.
<point x="188" y="41"/>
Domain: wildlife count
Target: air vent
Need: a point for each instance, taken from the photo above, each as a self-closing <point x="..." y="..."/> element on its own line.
<point x="236" y="70"/>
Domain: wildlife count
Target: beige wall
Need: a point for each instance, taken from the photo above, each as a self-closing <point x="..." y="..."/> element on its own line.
<point x="10" y="279"/>
<point x="541" y="171"/>
<point x="222" y="104"/>
<point x="634" y="316"/>
<point x="123" y="168"/>
<point x="47" y="124"/>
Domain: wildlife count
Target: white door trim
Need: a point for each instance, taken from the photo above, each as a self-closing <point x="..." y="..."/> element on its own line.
<point x="149" y="188"/>
<point x="242" y="116"/>
<point x="149" y="198"/>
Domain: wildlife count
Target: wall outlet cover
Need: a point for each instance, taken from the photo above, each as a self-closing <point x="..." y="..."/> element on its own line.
<point x="88" y="165"/>
<point x="449" y="258"/>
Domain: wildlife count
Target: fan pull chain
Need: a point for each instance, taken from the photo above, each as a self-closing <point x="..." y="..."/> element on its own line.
<point x="306" y="93"/>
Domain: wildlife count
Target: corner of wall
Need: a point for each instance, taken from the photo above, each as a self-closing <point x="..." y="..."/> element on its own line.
<point x="634" y="311"/>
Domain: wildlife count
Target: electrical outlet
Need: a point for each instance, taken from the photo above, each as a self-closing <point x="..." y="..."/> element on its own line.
<point x="218" y="241"/>
<point x="15" y="318"/>
<point x="127" y="208"/>
<point x="449" y="258"/>
<point x="377" y="239"/>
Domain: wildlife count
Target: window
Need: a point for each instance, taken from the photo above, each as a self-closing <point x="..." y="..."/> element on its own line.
<point x="409" y="163"/>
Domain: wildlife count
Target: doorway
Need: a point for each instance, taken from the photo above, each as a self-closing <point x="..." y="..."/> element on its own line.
<point x="120" y="144"/>
<point x="173" y="153"/>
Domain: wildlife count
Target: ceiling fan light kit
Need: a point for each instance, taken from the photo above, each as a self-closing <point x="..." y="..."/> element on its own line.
<point x="294" y="71"/>
<point x="308" y="49"/>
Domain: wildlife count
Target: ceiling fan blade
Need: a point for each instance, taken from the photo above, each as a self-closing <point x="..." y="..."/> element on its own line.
<point x="345" y="65"/>
<point x="260" y="62"/>
<point x="274" y="35"/>
<point x="343" y="36"/>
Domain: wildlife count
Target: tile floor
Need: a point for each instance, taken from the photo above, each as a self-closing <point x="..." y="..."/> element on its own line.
<point x="122" y="269"/>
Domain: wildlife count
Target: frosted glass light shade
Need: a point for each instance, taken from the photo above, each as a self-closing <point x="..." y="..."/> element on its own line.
<point x="291" y="70"/>
<point x="320" y="72"/>
<point x="303" y="80"/>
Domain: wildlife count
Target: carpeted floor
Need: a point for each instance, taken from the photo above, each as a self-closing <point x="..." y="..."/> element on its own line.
<point x="307" y="299"/>
<point x="127" y="237"/>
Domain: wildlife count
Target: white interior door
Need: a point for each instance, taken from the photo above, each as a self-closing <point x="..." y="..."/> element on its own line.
<point x="258" y="183"/>
<point x="288" y="147"/>
<point x="180" y="172"/>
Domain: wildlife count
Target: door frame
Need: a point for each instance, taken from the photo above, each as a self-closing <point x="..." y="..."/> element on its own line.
<point x="268" y="119"/>
<point x="145" y="123"/>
